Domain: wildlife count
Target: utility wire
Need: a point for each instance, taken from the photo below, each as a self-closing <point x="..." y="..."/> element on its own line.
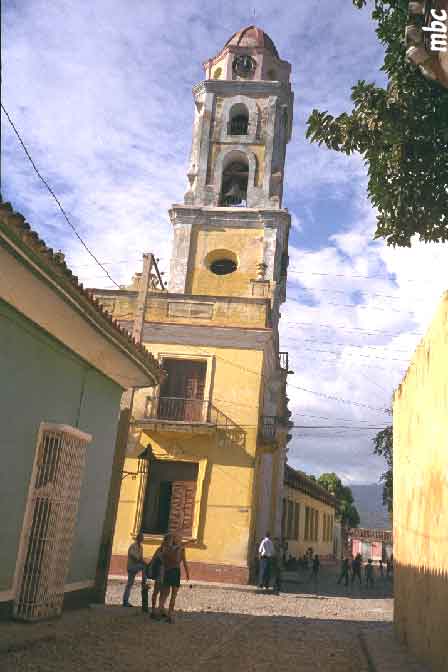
<point x="368" y="332"/>
<point x="344" y="275"/>
<point x="36" y="170"/>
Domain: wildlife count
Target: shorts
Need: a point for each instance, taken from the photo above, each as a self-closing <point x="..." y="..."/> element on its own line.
<point x="171" y="577"/>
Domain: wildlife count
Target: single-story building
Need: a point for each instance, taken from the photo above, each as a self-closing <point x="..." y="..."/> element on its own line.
<point x="372" y="544"/>
<point x="309" y="513"/>
<point x="64" y="365"/>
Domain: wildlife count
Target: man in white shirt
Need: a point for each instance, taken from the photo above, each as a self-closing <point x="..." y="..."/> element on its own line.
<point x="266" y="553"/>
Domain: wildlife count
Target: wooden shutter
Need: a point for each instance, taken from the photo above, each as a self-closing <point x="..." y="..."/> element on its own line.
<point x="182" y="507"/>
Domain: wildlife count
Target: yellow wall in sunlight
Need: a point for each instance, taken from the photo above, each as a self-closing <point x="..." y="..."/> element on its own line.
<point x="421" y="497"/>
<point x="224" y="512"/>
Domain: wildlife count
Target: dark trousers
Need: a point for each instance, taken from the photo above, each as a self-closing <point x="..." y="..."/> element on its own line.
<point x="132" y="573"/>
<point x="344" y="575"/>
<point x="356" y="572"/>
<point x="265" y="571"/>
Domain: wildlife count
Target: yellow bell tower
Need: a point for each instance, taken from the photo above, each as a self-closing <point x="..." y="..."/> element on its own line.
<point x="217" y="428"/>
<point x="231" y="233"/>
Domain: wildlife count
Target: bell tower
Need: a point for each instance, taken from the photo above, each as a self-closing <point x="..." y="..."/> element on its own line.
<point x="231" y="232"/>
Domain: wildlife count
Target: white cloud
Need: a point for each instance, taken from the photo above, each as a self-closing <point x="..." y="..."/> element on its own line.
<point x="101" y="93"/>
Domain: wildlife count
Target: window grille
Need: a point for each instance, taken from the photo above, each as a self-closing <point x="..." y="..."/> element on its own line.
<point x="50" y="520"/>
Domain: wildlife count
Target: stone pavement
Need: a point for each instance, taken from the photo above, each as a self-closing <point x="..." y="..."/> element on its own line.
<point x="228" y="629"/>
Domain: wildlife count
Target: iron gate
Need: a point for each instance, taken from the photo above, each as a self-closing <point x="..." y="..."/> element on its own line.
<point x="49" y="522"/>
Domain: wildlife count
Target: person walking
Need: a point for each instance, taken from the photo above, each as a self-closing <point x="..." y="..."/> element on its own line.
<point x="155" y="572"/>
<point x="136" y="564"/>
<point x="356" y="569"/>
<point x="390" y="566"/>
<point x="369" y="573"/>
<point x="172" y="556"/>
<point x="345" y="569"/>
<point x="266" y="553"/>
<point x="277" y="564"/>
<point x="381" y="569"/>
<point x="315" y="569"/>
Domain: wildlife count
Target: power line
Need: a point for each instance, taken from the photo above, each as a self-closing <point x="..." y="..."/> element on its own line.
<point x="362" y="306"/>
<point x="304" y="389"/>
<point x="348" y="345"/>
<point x="368" y="332"/>
<point x="56" y="198"/>
<point x="366" y="277"/>
<point x="359" y="354"/>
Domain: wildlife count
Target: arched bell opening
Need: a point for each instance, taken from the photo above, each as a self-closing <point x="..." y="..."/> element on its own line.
<point x="235" y="179"/>
<point x="238" y="120"/>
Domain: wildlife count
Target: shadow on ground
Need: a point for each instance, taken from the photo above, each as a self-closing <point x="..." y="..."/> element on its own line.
<point x="113" y="638"/>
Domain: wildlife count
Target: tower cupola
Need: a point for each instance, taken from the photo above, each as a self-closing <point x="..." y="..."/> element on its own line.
<point x="249" y="55"/>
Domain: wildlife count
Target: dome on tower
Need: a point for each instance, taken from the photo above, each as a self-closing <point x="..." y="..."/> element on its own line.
<point x="251" y="36"/>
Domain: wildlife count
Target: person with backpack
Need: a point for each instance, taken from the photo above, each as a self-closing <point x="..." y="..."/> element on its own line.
<point x="155" y="572"/>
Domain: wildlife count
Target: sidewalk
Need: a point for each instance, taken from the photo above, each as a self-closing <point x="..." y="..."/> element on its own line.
<point x="385" y="654"/>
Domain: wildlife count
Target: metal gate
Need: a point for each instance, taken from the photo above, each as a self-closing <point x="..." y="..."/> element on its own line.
<point x="49" y="522"/>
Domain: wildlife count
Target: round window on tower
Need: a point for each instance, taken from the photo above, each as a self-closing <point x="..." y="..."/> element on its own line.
<point x="221" y="262"/>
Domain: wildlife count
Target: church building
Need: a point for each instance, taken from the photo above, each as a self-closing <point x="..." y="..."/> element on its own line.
<point x="216" y="430"/>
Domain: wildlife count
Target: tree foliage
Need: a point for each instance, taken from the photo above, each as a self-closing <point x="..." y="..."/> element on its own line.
<point x="346" y="508"/>
<point x="402" y="133"/>
<point x="383" y="445"/>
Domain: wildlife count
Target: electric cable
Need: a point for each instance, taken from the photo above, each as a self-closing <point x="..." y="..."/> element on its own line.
<point x="36" y="170"/>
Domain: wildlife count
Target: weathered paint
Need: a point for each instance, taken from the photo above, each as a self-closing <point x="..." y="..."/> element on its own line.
<point x="420" y="515"/>
<point x="47" y="382"/>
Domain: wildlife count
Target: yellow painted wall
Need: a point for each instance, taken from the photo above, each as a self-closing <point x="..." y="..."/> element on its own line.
<point x="297" y="547"/>
<point x="420" y="417"/>
<point x="226" y="457"/>
<point x="247" y="244"/>
<point x="223" y="313"/>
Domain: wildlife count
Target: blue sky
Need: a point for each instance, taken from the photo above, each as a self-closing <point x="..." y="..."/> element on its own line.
<point x="101" y="94"/>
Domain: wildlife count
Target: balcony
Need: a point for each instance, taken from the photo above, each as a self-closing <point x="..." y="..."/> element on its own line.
<point x="268" y="429"/>
<point x="284" y="361"/>
<point x="237" y="126"/>
<point x="179" y="414"/>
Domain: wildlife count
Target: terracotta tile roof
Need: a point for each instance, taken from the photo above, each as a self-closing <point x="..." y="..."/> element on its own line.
<point x="370" y="534"/>
<point x="300" y="481"/>
<point x="16" y="227"/>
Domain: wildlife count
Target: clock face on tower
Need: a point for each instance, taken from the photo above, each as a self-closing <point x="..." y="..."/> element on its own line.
<point x="243" y="65"/>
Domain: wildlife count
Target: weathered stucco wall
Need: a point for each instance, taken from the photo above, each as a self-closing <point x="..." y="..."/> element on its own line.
<point x="42" y="381"/>
<point x="421" y="497"/>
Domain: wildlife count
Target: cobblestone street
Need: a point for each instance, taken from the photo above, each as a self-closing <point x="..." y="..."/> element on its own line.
<point x="231" y="629"/>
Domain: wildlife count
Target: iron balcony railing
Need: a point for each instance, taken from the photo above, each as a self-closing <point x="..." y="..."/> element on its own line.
<point x="268" y="427"/>
<point x="237" y="127"/>
<point x="284" y="362"/>
<point x="178" y="409"/>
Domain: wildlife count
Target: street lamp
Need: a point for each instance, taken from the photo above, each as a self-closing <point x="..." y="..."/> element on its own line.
<point x="143" y="461"/>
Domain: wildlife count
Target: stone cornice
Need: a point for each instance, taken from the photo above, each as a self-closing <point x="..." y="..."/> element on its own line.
<point x="238" y="87"/>
<point x="251" y="217"/>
